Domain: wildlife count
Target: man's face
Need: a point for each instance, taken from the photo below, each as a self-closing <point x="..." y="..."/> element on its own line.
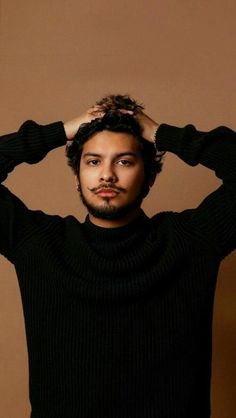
<point x="111" y="175"/>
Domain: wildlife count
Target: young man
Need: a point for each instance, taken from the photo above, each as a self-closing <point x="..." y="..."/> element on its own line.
<point x="118" y="309"/>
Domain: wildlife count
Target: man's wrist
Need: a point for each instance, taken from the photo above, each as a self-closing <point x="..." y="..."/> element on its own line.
<point x="154" y="138"/>
<point x="69" y="131"/>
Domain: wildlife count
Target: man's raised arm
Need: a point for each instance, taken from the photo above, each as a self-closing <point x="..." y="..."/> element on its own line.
<point x="213" y="222"/>
<point x="33" y="141"/>
<point x="30" y="144"/>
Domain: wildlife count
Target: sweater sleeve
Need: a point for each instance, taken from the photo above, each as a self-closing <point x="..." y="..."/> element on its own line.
<point x="30" y="145"/>
<point x="213" y="222"/>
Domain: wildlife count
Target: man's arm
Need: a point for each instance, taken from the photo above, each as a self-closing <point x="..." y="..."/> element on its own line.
<point x="213" y="222"/>
<point x="30" y="144"/>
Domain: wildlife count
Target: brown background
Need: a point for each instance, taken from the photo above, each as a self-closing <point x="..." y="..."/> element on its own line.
<point x="57" y="58"/>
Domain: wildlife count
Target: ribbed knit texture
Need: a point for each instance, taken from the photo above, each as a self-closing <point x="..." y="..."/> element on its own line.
<point x="119" y="321"/>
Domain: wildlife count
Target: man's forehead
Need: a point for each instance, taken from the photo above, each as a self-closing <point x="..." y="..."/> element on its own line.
<point x="108" y="141"/>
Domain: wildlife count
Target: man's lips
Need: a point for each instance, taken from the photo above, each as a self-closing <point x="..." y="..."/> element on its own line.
<point x="107" y="192"/>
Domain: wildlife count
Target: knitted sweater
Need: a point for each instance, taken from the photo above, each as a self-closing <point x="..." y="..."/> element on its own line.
<point x="119" y="321"/>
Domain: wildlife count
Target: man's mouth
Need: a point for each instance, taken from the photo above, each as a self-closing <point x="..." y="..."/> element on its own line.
<point x="105" y="192"/>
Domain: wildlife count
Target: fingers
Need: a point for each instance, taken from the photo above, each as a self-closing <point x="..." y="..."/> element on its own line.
<point x="100" y="110"/>
<point x="96" y="111"/>
<point x="130" y="112"/>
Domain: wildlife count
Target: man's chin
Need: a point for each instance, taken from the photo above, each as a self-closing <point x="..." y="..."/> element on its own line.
<point x="111" y="212"/>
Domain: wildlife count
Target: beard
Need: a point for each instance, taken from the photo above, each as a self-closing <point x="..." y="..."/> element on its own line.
<point x="112" y="212"/>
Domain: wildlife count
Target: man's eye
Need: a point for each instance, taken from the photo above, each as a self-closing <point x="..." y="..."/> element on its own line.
<point x="93" y="162"/>
<point x="126" y="163"/>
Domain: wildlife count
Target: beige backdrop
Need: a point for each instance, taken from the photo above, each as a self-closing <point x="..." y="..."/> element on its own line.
<point x="57" y="57"/>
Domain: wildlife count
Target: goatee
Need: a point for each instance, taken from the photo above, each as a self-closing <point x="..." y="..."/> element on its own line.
<point x="109" y="211"/>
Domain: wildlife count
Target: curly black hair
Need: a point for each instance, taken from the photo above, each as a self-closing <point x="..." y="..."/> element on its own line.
<point x="115" y="121"/>
<point x="118" y="101"/>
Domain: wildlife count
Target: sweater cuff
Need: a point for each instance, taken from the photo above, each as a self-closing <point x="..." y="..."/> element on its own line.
<point x="54" y="135"/>
<point x="167" y="137"/>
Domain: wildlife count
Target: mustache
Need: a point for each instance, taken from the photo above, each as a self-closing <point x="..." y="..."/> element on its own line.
<point x="108" y="186"/>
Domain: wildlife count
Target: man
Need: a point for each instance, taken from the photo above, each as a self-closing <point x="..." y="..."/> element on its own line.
<point x="118" y="309"/>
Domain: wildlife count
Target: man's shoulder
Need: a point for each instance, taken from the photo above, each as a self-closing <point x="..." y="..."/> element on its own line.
<point x="172" y="217"/>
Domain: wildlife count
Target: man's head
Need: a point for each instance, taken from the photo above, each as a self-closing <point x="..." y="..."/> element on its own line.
<point x="114" y="165"/>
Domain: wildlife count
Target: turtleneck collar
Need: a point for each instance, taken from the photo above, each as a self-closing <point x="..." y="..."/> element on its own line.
<point x="109" y="262"/>
<point x="97" y="233"/>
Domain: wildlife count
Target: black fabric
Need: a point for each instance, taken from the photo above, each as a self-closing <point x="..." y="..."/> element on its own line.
<point x="119" y="320"/>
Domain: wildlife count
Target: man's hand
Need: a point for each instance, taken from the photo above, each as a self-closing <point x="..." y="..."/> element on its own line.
<point x="148" y="125"/>
<point x="149" y="128"/>
<point x="73" y="125"/>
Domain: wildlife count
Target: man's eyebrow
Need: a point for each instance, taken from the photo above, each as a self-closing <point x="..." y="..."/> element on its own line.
<point x="132" y="154"/>
<point x="91" y="154"/>
<point x="120" y="154"/>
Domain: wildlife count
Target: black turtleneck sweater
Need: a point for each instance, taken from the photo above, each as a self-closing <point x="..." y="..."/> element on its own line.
<point x="119" y="321"/>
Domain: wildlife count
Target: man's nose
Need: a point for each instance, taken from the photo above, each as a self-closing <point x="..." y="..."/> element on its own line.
<point x="108" y="173"/>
